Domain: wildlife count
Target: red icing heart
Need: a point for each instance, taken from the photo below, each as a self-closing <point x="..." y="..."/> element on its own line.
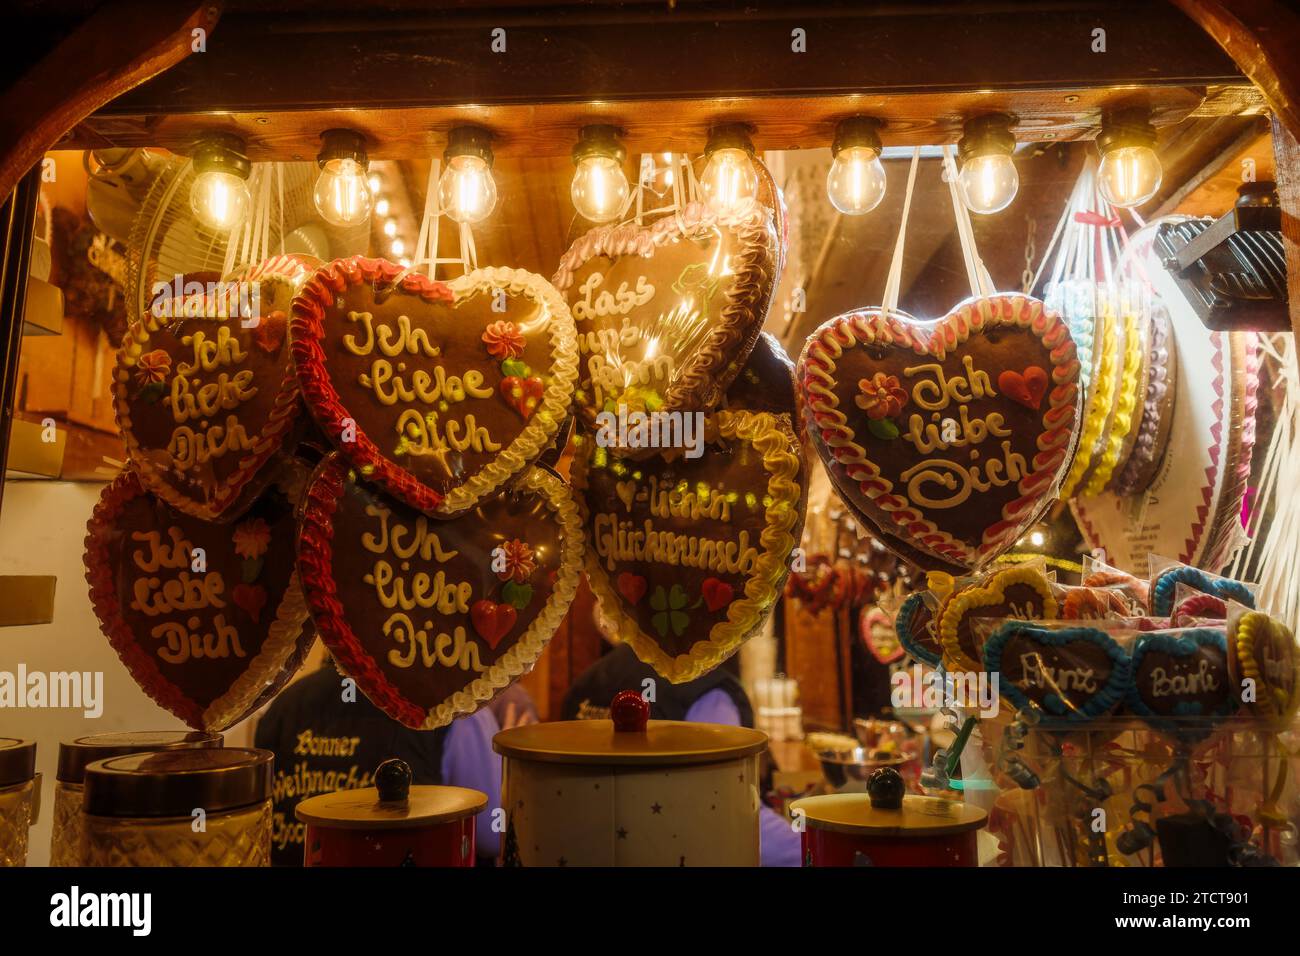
<point x="492" y="621"/>
<point x="207" y="404"/>
<point x="410" y="606"/>
<point x="717" y="593"/>
<point x="1028" y="389"/>
<point x="522" y="394"/>
<point x="203" y="643"/>
<point x="251" y="598"/>
<point x="632" y="587"/>
<point x="393" y="367"/>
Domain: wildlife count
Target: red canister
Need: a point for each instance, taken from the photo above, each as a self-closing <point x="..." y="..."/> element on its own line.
<point x="885" y="827"/>
<point x="392" y="823"/>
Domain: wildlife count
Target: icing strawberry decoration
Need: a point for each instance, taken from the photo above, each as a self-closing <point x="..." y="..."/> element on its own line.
<point x="522" y="394"/>
<point x="492" y="621"/>
<point x="250" y="598"/>
<point x="1027" y="388"/>
<point x="504" y="340"/>
<point x="882" y="396"/>
<point x="632" y="587"/>
<point x="717" y="593"/>
<point x="270" y="331"/>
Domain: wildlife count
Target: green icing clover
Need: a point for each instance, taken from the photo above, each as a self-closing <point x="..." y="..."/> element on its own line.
<point x="669" y="607"/>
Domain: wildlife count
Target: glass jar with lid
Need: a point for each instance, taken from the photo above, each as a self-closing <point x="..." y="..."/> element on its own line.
<point x="75" y="755"/>
<point x="188" y="807"/>
<point x="19" y="789"/>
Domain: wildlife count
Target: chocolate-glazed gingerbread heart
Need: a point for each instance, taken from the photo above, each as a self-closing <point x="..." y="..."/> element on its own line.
<point x="208" y="618"/>
<point x="433" y="618"/>
<point x="204" y="392"/>
<point x="1071" y="674"/>
<point x="440" y="393"/>
<point x="666" y="314"/>
<point x="687" y="556"/>
<point x="1181" y="682"/>
<point x="950" y="435"/>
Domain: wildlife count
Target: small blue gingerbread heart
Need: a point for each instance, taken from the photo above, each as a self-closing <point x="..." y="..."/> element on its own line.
<point x="1072" y="674"/>
<point x="1181" y="683"/>
<point x="915" y="626"/>
<point x="1164" y="589"/>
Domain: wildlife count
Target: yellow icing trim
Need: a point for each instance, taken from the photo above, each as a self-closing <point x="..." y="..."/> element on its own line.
<point x="519" y="660"/>
<point x="1098" y="406"/>
<point x="1127" y="403"/>
<point x="766" y="433"/>
<point x="993" y="591"/>
<point x="1272" y="703"/>
<point x="550" y="414"/>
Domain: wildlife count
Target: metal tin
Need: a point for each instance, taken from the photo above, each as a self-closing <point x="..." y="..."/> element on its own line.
<point x="844" y="829"/>
<point x="391" y="824"/>
<point x="76" y="754"/>
<point x="580" y="793"/>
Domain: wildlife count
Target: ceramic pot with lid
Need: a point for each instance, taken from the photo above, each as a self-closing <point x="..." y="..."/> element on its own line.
<point x="75" y="755"/>
<point x="392" y="823"/>
<point x="188" y="807"/>
<point x="887" y="827"/>
<point x="19" y="798"/>
<point x="630" y="791"/>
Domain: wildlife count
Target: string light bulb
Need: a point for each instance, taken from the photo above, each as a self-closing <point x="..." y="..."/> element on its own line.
<point x="729" y="176"/>
<point x="599" y="189"/>
<point x="1130" y="172"/>
<point x="219" y="195"/>
<point x="467" y="192"/>
<point x="343" y="189"/>
<point x="856" y="181"/>
<point x="989" y="181"/>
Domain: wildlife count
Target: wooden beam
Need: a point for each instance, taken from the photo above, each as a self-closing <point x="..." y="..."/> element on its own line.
<point x="117" y="47"/>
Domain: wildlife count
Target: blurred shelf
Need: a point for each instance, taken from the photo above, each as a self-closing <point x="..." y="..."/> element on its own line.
<point x="30" y="455"/>
<point x="26" y="599"/>
<point x="44" y="313"/>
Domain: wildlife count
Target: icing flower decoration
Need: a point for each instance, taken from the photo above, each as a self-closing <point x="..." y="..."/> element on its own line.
<point x="252" y="538"/>
<point x="882" y="396"/>
<point x="518" y="560"/>
<point x="153" y="367"/>
<point x="503" y="340"/>
<point x="269" y="334"/>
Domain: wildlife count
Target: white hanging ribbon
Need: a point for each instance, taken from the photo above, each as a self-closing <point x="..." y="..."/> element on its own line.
<point x="980" y="282"/>
<point x="426" y="246"/>
<point x="890" y="301"/>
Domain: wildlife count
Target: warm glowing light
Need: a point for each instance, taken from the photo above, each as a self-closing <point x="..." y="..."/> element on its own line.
<point x="729" y="179"/>
<point x="398" y="248"/>
<point x="381" y="207"/>
<point x="856" y="181"/>
<point x="989" y="183"/>
<point x="467" y="192"/>
<point x="220" y="199"/>
<point x="1129" y="176"/>
<point x="600" y="189"/>
<point x="390" y="228"/>
<point x="342" y="194"/>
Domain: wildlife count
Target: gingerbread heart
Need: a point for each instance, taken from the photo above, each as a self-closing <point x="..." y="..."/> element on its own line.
<point x="918" y="430"/>
<point x="1164" y="588"/>
<point x="695" y="531"/>
<point x="1070" y="674"/>
<point x="667" y="314"/>
<point x="209" y="619"/>
<point x="204" y="392"/>
<point x="1264" y="651"/>
<point x="439" y="393"/>
<point x="1196" y="606"/>
<point x="917" y="629"/>
<point x="1018" y="592"/>
<point x="1181" y="682"/>
<point x="434" y="618"/>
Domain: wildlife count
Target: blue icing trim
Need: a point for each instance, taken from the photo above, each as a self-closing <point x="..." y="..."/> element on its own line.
<point x="903" y="628"/>
<point x="1182" y="643"/>
<point x="1162" y="593"/>
<point x="1103" y="701"/>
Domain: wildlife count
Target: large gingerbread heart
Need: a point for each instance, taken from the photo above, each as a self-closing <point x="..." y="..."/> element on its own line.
<point x="667" y="314"/>
<point x="1016" y="592"/>
<point x="204" y="393"/>
<point x="208" y="618"/>
<point x="687" y="557"/>
<point x="950" y="435"/>
<point x="439" y="393"/>
<point x="1264" y="651"/>
<point x="433" y="618"/>
<point x="1181" y="682"/>
<point x="1071" y="674"/>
